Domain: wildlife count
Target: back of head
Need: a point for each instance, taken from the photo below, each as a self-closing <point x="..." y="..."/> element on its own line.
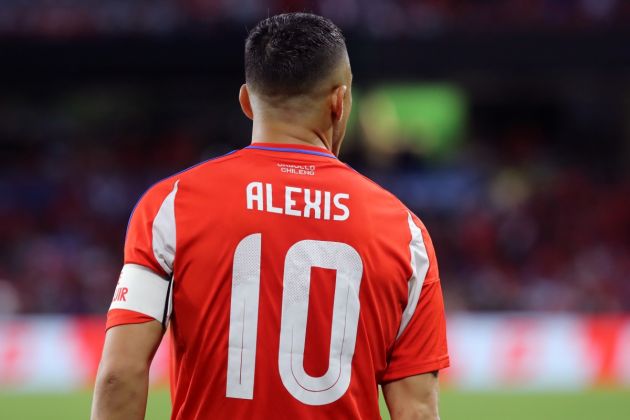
<point x="290" y="54"/>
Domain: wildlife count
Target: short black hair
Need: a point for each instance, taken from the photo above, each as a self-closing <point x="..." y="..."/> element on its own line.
<point x="288" y="54"/>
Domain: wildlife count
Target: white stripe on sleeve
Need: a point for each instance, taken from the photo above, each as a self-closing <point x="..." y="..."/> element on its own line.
<point x="419" y="268"/>
<point x="164" y="232"/>
<point x="141" y="290"/>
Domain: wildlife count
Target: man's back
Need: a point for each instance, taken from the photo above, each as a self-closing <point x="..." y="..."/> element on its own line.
<point x="296" y="286"/>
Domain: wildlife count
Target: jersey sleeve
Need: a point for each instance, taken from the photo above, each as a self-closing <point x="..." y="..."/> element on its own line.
<point x="420" y="345"/>
<point x="144" y="289"/>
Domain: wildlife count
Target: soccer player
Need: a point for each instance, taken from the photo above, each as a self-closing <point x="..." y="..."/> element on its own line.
<point x="292" y="285"/>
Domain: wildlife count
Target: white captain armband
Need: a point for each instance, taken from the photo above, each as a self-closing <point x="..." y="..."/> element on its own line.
<point x="141" y="290"/>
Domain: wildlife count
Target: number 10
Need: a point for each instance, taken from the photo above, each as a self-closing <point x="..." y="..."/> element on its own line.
<point x="300" y="258"/>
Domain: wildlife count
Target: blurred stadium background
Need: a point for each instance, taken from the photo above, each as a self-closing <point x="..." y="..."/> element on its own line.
<point x="503" y="124"/>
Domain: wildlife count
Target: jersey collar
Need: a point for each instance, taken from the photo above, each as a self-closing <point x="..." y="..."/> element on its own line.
<point x="292" y="148"/>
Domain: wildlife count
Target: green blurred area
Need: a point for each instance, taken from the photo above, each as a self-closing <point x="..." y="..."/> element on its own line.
<point x="604" y="404"/>
<point x="427" y="119"/>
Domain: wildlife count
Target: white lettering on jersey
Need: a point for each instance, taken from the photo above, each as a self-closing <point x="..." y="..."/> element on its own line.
<point x="254" y="193"/>
<point x="326" y="205"/>
<point x="316" y="204"/>
<point x="346" y="211"/>
<point x="289" y="168"/>
<point x="312" y="205"/>
<point x="270" y="207"/>
<point x="289" y="202"/>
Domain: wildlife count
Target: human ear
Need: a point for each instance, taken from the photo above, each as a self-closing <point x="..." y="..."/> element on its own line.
<point x="244" y="100"/>
<point x="337" y="99"/>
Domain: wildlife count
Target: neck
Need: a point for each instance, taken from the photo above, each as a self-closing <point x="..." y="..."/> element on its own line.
<point x="285" y="133"/>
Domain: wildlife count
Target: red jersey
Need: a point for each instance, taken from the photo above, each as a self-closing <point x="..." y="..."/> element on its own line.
<point x="293" y="286"/>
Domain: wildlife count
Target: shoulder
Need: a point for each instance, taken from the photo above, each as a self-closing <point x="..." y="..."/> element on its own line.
<point x="375" y="190"/>
<point x="213" y="163"/>
<point x="389" y="209"/>
<point x="171" y="184"/>
<point x="165" y="191"/>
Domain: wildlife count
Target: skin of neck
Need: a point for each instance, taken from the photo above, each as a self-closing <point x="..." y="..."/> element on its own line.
<point x="316" y="119"/>
<point x="291" y="129"/>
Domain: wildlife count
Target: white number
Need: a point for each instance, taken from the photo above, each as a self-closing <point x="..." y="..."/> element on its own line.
<point x="244" y="318"/>
<point x="297" y="281"/>
<point x="299" y="260"/>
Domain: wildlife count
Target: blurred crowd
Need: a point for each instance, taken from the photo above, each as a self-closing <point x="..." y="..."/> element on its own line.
<point x="381" y="17"/>
<point x="536" y="221"/>
<point x="537" y="237"/>
<point x="528" y="233"/>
